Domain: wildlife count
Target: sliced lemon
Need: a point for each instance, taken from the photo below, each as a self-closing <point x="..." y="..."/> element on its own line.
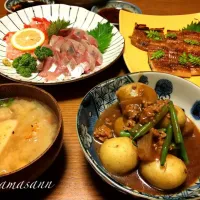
<point x="27" y="39"/>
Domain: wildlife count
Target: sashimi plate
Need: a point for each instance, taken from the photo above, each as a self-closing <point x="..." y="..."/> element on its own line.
<point x="136" y="59"/>
<point x="78" y="17"/>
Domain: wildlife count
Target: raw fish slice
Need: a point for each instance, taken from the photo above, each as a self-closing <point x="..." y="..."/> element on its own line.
<point x="53" y="40"/>
<point x="13" y="53"/>
<point x="51" y="76"/>
<point x="47" y="65"/>
<point x="57" y="58"/>
<point x="94" y="52"/>
<point x="81" y="49"/>
<point x="61" y="62"/>
<point x="59" y="43"/>
<point x="68" y="47"/>
<point x="61" y="70"/>
<point x="75" y="44"/>
<point x="64" y="58"/>
<point x="78" y="47"/>
<point x="92" y="41"/>
<point x="72" y="64"/>
<point x="87" y="58"/>
<point x="65" y="32"/>
<point x="77" y="34"/>
<point x="85" y="43"/>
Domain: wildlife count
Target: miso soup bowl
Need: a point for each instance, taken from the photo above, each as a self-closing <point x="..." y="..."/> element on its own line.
<point x="180" y="91"/>
<point x="34" y="169"/>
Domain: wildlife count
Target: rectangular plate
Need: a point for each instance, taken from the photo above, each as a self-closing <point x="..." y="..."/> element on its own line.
<point x="136" y="59"/>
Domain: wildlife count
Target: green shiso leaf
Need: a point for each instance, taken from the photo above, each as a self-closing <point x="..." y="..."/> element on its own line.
<point x="194" y="26"/>
<point x="103" y="34"/>
<point x="56" y="26"/>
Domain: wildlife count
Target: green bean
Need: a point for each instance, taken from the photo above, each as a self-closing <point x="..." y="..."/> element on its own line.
<point x="166" y="145"/>
<point x="124" y="134"/>
<point x="183" y="151"/>
<point x="177" y="132"/>
<point x="135" y="129"/>
<point x="144" y="129"/>
<point x="175" y="125"/>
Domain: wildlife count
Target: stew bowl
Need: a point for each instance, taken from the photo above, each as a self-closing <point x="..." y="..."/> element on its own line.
<point x="34" y="169"/>
<point x="180" y="91"/>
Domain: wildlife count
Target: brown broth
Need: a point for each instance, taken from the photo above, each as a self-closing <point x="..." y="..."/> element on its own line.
<point x="133" y="180"/>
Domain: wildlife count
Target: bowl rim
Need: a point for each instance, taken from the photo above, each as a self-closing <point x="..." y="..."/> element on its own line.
<point x="117" y="1"/>
<point x="59" y="128"/>
<point x="10" y="11"/>
<point x="98" y="170"/>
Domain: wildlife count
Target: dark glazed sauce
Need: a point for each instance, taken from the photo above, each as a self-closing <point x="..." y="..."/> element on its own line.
<point x="111" y="14"/>
<point x="26" y="4"/>
<point x="133" y="180"/>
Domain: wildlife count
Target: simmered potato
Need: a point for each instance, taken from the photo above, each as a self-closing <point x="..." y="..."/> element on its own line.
<point x="119" y="155"/>
<point x="180" y="115"/>
<point x="170" y="176"/>
<point x="136" y="90"/>
<point x="119" y="125"/>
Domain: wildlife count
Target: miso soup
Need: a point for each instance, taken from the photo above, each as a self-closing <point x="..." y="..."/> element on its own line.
<point x="27" y="128"/>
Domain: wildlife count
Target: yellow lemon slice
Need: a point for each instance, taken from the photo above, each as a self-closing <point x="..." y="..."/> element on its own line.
<point x="27" y="39"/>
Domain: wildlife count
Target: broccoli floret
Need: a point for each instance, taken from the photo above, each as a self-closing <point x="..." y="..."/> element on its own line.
<point x="25" y="59"/>
<point x="15" y="63"/>
<point x="33" y="64"/>
<point x="25" y="65"/>
<point x="43" y="52"/>
<point x="23" y="71"/>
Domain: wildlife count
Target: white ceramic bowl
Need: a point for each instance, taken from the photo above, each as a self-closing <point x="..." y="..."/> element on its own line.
<point x="79" y="17"/>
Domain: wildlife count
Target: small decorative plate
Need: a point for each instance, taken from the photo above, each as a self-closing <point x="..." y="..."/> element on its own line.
<point x="10" y="3"/>
<point x="119" y="5"/>
<point x="103" y="95"/>
<point x="79" y="18"/>
<point x="136" y="59"/>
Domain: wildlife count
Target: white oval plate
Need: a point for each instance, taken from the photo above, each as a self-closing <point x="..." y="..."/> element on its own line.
<point x="79" y="18"/>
